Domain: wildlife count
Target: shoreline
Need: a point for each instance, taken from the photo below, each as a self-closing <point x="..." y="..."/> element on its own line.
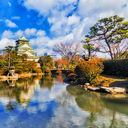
<point x="107" y="84"/>
<point x="17" y="76"/>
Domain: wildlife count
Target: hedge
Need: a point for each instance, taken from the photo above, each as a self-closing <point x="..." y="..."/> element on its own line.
<point x="116" y="67"/>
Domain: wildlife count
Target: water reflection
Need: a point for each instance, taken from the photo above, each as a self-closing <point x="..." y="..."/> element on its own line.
<point x="21" y="91"/>
<point x="103" y="112"/>
<point x="47" y="102"/>
<point x="47" y="82"/>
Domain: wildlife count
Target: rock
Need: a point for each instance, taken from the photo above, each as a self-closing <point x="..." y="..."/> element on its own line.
<point x="81" y="86"/>
<point x="113" y="90"/>
<point x="3" y="77"/>
<point x="86" y="89"/>
<point x="87" y="84"/>
<point x="93" y="88"/>
<point x="11" y="72"/>
<point x="15" y="77"/>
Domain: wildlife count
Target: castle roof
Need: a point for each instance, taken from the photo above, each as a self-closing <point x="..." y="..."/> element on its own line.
<point x="23" y="38"/>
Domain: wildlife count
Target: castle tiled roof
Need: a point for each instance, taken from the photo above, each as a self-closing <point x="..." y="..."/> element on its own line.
<point x="23" y="38"/>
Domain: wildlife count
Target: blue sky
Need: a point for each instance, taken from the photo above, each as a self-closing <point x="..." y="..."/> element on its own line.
<point x="48" y="22"/>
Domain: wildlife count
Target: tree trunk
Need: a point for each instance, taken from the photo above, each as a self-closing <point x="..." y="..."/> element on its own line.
<point x="89" y="53"/>
<point x="9" y="60"/>
<point x="109" y="47"/>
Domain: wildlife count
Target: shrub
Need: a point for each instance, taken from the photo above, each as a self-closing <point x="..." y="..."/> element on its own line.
<point x="71" y="77"/>
<point x="45" y="69"/>
<point x="37" y="70"/>
<point x="3" y="71"/>
<point x="19" y="69"/>
<point x="88" y="71"/>
<point x="116" y="67"/>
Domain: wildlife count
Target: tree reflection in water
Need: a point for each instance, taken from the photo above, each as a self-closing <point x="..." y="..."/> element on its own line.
<point x="47" y="82"/>
<point x="21" y="91"/>
<point x="101" y="112"/>
<point x="11" y="105"/>
<point x="59" y="79"/>
<point x="70" y="104"/>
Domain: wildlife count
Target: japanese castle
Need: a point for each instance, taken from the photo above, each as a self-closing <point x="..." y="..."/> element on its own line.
<point x="23" y="47"/>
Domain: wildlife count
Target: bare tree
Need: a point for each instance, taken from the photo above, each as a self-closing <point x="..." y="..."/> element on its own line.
<point x="67" y="50"/>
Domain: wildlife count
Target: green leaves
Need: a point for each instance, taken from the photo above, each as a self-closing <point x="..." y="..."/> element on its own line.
<point x="8" y="49"/>
<point x="46" y="63"/>
<point x="111" y="30"/>
<point x="88" y="47"/>
<point x="125" y="23"/>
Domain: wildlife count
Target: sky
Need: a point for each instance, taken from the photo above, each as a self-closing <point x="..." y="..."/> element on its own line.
<point x="48" y="22"/>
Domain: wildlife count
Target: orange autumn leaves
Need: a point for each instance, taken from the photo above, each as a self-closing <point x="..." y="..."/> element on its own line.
<point x="61" y="64"/>
<point x="89" y="70"/>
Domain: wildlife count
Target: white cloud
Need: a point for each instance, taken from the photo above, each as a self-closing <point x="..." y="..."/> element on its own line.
<point x="57" y="11"/>
<point x="65" y="23"/>
<point x="39" y="42"/>
<point x="19" y="33"/>
<point x="46" y="7"/>
<point x="10" y="24"/>
<point x="10" y="35"/>
<point x="43" y="6"/>
<point x="30" y="32"/>
<point x="87" y="7"/>
<point x="40" y="33"/>
<point x="5" y="42"/>
<point x="7" y="34"/>
<point x="73" y="20"/>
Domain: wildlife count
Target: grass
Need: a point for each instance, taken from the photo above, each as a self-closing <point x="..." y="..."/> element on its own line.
<point x="113" y="81"/>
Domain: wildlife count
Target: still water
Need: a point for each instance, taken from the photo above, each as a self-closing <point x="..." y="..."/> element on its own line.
<point x="50" y="103"/>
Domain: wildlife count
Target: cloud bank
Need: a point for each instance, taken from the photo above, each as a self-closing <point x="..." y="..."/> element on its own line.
<point x="68" y="19"/>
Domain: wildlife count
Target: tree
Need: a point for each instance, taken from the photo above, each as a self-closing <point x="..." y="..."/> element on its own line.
<point x="123" y="55"/>
<point x="46" y="63"/>
<point x="24" y="57"/>
<point x="110" y="32"/>
<point x="90" y="47"/>
<point x="3" y="62"/>
<point x="67" y="50"/>
<point x="9" y="49"/>
<point x="61" y="63"/>
<point x="88" y="71"/>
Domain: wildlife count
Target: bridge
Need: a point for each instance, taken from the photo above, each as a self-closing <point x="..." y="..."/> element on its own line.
<point x="63" y="71"/>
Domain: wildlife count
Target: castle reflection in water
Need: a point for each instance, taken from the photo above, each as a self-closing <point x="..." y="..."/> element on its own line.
<point x="48" y="102"/>
<point x="20" y="91"/>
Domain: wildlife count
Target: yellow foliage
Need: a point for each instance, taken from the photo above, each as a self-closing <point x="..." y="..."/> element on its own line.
<point x="89" y="70"/>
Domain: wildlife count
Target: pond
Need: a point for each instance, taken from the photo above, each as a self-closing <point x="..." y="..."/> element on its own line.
<point x="48" y="102"/>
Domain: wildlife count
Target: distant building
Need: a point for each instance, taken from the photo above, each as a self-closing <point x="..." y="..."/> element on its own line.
<point x="23" y="47"/>
<point x="47" y="54"/>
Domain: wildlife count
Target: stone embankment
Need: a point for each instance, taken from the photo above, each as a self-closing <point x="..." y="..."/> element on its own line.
<point x="17" y="76"/>
<point x="112" y="90"/>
